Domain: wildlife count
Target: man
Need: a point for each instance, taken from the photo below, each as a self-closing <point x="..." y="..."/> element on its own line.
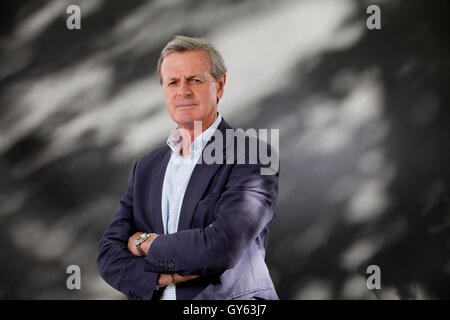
<point x="186" y="229"/>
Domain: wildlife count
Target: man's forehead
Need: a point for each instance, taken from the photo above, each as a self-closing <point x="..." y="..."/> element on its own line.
<point x="193" y="62"/>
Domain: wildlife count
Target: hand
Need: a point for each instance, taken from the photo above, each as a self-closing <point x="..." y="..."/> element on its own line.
<point x="177" y="278"/>
<point x="145" y="246"/>
<point x="132" y="245"/>
<point x="166" y="279"/>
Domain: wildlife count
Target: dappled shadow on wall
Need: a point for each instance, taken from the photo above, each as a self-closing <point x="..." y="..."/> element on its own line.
<point x="364" y="173"/>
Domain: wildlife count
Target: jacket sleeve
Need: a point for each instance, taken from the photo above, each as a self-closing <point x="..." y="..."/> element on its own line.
<point x="116" y="264"/>
<point x="244" y="210"/>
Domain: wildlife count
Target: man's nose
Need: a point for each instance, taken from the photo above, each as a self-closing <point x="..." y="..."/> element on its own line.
<point x="185" y="89"/>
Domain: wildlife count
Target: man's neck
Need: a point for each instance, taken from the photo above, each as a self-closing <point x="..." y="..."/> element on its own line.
<point x="189" y="134"/>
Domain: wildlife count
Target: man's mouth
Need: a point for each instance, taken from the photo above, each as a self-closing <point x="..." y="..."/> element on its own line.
<point x="186" y="105"/>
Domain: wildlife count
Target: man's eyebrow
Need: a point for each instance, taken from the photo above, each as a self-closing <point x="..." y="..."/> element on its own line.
<point x="190" y="77"/>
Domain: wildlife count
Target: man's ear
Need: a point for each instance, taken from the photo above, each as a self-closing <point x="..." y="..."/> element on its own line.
<point x="220" y="86"/>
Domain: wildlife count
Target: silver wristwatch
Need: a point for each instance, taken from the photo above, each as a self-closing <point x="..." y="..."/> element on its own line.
<point x="144" y="236"/>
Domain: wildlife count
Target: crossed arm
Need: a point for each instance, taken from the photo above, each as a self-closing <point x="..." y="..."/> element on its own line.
<point x="242" y="212"/>
<point x="163" y="278"/>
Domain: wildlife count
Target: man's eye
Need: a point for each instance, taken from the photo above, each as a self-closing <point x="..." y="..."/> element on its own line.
<point x="172" y="83"/>
<point x="196" y="80"/>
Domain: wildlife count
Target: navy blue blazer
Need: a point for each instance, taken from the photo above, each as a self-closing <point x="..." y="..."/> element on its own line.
<point x="229" y="256"/>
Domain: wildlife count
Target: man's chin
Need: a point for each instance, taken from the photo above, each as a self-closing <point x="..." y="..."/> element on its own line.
<point x="187" y="118"/>
<point x="184" y="120"/>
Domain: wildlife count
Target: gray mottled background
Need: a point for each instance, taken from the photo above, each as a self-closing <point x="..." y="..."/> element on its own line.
<point x="364" y="135"/>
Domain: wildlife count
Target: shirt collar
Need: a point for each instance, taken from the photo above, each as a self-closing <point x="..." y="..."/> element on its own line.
<point x="174" y="141"/>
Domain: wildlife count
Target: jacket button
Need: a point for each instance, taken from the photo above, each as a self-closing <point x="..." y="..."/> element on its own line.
<point x="171" y="265"/>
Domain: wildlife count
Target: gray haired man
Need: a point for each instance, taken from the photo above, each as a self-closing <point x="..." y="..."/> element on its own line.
<point x="186" y="229"/>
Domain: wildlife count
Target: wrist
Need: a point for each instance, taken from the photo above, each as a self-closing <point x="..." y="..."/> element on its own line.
<point x="172" y="275"/>
<point x="145" y="246"/>
<point x="143" y="242"/>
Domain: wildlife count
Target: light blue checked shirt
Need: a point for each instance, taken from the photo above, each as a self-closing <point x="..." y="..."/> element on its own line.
<point x="178" y="174"/>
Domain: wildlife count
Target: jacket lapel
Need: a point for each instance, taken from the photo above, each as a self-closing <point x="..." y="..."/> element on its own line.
<point x="198" y="182"/>
<point x="157" y="179"/>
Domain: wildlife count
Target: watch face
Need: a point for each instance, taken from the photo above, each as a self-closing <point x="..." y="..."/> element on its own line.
<point x="141" y="238"/>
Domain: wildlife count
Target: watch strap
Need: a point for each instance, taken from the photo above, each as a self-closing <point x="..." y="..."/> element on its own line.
<point x="138" y="248"/>
<point x="142" y="238"/>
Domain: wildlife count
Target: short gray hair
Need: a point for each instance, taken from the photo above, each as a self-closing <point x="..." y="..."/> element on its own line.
<point x="183" y="44"/>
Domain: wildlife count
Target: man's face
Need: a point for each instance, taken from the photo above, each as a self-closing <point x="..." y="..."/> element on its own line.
<point x="190" y="90"/>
